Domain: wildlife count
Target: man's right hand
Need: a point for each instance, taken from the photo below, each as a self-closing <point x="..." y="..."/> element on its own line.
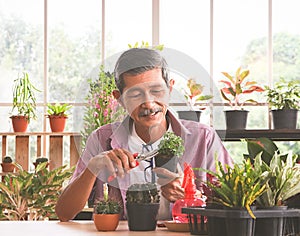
<point x="117" y="162"/>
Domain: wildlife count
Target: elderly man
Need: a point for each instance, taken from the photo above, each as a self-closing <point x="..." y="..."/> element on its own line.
<point x="144" y="88"/>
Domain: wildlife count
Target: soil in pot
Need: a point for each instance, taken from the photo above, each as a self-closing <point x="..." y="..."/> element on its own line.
<point x="106" y="222"/>
<point x="142" y="217"/>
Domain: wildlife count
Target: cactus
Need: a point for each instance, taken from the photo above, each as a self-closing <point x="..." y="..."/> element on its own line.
<point x="142" y="193"/>
<point x="109" y="206"/>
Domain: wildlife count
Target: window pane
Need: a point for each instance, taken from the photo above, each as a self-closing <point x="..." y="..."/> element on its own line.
<point x="74" y="46"/>
<point x="127" y="22"/>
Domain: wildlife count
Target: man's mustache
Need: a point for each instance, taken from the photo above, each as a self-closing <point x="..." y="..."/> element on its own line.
<point x="147" y="112"/>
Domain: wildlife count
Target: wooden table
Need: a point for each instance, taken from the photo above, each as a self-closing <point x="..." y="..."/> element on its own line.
<point x="72" y="228"/>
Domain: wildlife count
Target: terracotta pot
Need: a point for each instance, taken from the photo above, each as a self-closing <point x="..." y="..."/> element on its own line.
<point x="106" y="222"/>
<point x="20" y="123"/>
<point x="8" y="167"/>
<point x="57" y="123"/>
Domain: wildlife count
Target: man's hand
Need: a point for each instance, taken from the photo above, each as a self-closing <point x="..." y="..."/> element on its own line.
<point x="117" y="162"/>
<point x="170" y="185"/>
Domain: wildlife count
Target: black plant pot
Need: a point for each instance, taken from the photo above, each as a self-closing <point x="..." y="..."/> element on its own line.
<point x="189" y="115"/>
<point x="167" y="162"/>
<point x="285" y="118"/>
<point x="236" y="119"/>
<point x="142" y="217"/>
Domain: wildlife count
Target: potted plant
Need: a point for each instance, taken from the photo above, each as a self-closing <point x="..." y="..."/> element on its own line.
<point x="170" y="148"/>
<point x="7" y="164"/>
<point x="142" y="204"/>
<point x="235" y="88"/>
<point x="193" y="94"/>
<point x="284" y="100"/>
<point x="57" y="116"/>
<point x="40" y="160"/>
<point x="24" y="102"/>
<point x="106" y="212"/>
<point x="32" y="196"/>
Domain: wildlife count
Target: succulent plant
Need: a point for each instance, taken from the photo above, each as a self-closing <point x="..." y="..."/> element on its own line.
<point x="171" y="145"/>
<point x="142" y="193"/>
<point x="108" y="206"/>
<point x="7" y="159"/>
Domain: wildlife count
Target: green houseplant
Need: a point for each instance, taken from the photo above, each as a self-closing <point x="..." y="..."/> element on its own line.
<point x="284" y="100"/>
<point x="236" y="87"/>
<point x="24" y="103"/>
<point x="193" y="94"/>
<point x="57" y="114"/>
<point x="106" y="212"/>
<point x="32" y="196"/>
<point x="142" y="204"/>
<point x="170" y="148"/>
<point x="7" y="164"/>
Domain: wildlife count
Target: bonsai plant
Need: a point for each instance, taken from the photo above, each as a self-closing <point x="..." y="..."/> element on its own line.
<point x="106" y="212"/>
<point x="235" y="88"/>
<point x="7" y="164"/>
<point x="24" y="102"/>
<point x="170" y="148"/>
<point x="32" y="196"/>
<point x="142" y="204"/>
<point x="193" y="94"/>
<point x="57" y="116"/>
<point x="284" y="100"/>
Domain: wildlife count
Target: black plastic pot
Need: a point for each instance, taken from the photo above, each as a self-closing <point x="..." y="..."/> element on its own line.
<point x="189" y="115"/>
<point x="167" y="162"/>
<point x="236" y="119"/>
<point x="285" y="118"/>
<point x="142" y="217"/>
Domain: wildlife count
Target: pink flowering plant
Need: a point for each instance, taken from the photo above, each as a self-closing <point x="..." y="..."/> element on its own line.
<point x="102" y="108"/>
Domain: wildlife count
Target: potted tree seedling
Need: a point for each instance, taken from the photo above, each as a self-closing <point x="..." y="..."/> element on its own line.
<point x="193" y="94"/>
<point x="284" y="100"/>
<point x="24" y="103"/>
<point x="57" y="116"/>
<point x="170" y="148"/>
<point x="142" y="204"/>
<point x="106" y="212"/>
<point x="236" y="87"/>
<point x="7" y="164"/>
<point x="40" y="160"/>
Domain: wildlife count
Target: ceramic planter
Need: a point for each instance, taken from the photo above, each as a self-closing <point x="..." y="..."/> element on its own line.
<point x="57" y="123"/>
<point x="142" y="217"/>
<point x="189" y="115"/>
<point x="106" y="222"/>
<point x="19" y="123"/>
<point x="285" y="118"/>
<point x="236" y="119"/>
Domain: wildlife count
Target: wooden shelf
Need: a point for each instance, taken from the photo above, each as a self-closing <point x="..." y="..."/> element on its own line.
<point x="275" y="135"/>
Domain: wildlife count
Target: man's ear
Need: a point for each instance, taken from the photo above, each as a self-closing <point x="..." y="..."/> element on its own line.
<point x="117" y="95"/>
<point x="171" y="84"/>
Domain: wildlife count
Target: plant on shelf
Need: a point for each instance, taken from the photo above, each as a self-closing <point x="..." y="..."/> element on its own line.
<point x="24" y="102"/>
<point x="142" y="204"/>
<point x="7" y="164"/>
<point x="106" y="212"/>
<point x="170" y="148"/>
<point x="32" y="196"/>
<point x="57" y="114"/>
<point x="284" y="100"/>
<point x="193" y="94"/>
<point x="236" y="86"/>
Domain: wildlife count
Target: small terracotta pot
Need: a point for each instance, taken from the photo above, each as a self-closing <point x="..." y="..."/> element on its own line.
<point x="57" y="123"/>
<point x="106" y="222"/>
<point x="19" y="123"/>
<point x="8" y="167"/>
